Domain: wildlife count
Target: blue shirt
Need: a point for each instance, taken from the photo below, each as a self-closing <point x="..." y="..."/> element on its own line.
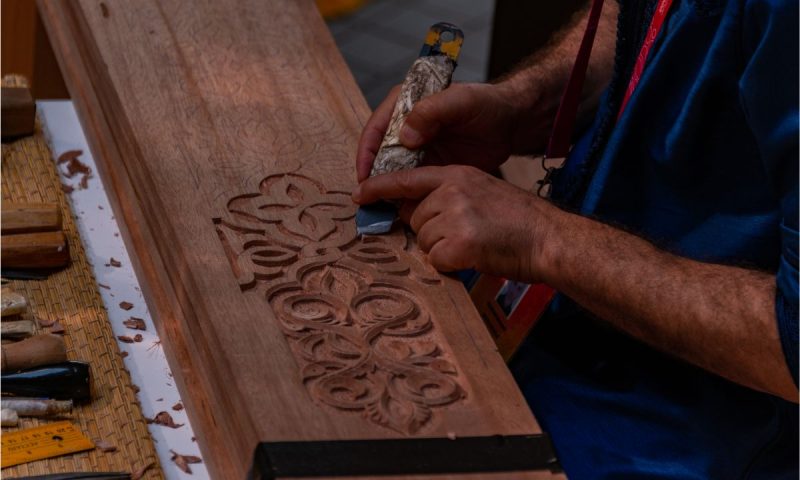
<point x="704" y="162"/>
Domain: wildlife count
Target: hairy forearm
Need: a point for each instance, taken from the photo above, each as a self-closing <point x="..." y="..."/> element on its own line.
<point x="537" y="83"/>
<point x="721" y="318"/>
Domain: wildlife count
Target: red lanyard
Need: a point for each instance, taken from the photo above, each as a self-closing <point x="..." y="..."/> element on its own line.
<point x="655" y="26"/>
<point x="561" y="135"/>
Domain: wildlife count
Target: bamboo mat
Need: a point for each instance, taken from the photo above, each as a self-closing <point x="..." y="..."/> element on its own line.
<point x="71" y="297"/>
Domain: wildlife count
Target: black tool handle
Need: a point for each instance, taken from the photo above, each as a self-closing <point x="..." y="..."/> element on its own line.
<point x="62" y="381"/>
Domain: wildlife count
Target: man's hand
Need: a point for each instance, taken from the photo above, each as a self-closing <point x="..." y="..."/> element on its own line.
<point x="469" y="124"/>
<point x="464" y="218"/>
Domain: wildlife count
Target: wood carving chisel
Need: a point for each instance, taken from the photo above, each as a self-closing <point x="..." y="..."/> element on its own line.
<point x="429" y="74"/>
<point x="30" y="217"/>
<point x="34" y="250"/>
<point x="60" y="381"/>
<point x="32" y="352"/>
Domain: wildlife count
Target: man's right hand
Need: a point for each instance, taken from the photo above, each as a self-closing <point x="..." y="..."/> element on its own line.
<point x="470" y="124"/>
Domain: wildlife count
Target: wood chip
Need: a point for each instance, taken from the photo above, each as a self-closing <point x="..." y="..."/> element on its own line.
<point x="67" y="188"/>
<point x="125" y="339"/>
<point x="103" y="285"/>
<point x="135" y="388"/>
<point x="84" y="183"/>
<point x="183" y="461"/>
<point x="69" y="155"/>
<point x="125" y="305"/>
<point x="138" y="338"/>
<point x="114" y="263"/>
<point x="178" y="407"/>
<point x="75" y="166"/>
<point x="104" y="446"/>
<point x="135" y="323"/>
<point x="123" y="354"/>
<point x="165" y="419"/>
<point x="45" y="323"/>
<point x="57" y="328"/>
<point x="137" y="474"/>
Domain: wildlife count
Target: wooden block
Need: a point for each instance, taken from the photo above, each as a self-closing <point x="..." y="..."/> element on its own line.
<point x="225" y="134"/>
<point x="34" y="250"/>
<point x="30" y="217"/>
<point x="18" y="112"/>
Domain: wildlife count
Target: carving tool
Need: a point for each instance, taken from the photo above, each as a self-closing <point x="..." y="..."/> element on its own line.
<point x="36" y="407"/>
<point x="429" y="74"/>
<point x="61" y="381"/>
<point x="11" y="302"/>
<point x="33" y="352"/>
<point x="8" y="418"/>
<point x="18" y="112"/>
<point x="30" y="218"/>
<point x="17" y="329"/>
<point x="34" y="250"/>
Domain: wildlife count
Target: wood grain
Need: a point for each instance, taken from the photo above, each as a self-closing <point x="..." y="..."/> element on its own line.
<point x="29" y="217"/>
<point x="225" y="132"/>
<point x="34" y="250"/>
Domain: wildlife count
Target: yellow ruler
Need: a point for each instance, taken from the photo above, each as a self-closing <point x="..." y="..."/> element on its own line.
<point x="40" y="442"/>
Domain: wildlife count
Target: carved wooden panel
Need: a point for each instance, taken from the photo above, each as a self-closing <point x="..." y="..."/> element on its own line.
<point x="354" y="310"/>
<point x="225" y="133"/>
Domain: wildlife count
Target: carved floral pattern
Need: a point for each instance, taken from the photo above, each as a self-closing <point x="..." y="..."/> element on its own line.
<point x="350" y="307"/>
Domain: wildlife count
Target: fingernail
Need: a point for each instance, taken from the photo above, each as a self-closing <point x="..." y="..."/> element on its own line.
<point x="409" y="136"/>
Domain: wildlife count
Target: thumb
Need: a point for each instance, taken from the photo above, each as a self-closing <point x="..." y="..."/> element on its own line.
<point x="435" y="112"/>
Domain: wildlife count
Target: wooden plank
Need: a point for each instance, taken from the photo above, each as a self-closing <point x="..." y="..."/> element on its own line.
<point x="225" y="132"/>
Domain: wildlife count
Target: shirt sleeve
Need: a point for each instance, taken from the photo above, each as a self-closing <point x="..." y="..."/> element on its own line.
<point x="769" y="95"/>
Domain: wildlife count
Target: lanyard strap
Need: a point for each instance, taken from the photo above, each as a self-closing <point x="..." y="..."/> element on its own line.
<point x="561" y="135"/>
<point x="655" y="26"/>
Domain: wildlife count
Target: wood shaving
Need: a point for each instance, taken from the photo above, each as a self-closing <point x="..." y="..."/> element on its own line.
<point x="45" y="323"/>
<point x="123" y="354"/>
<point x="103" y="285"/>
<point x="113" y="262"/>
<point x="125" y="305"/>
<point x="165" y="419"/>
<point x="84" y="183"/>
<point x="57" y="328"/>
<point x="137" y="474"/>
<point x="125" y="339"/>
<point x="68" y="155"/>
<point x="138" y="338"/>
<point x="104" y="446"/>
<point x="135" y="323"/>
<point x="67" y="188"/>
<point x="178" y="407"/>
<point x="75" y="166"/>
<point x="183" y="461"/>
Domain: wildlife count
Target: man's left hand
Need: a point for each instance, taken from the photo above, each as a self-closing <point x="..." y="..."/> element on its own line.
<point x="464" y="218"/>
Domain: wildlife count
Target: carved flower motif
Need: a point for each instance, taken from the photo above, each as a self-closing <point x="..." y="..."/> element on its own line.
<point x="350" y="308"/>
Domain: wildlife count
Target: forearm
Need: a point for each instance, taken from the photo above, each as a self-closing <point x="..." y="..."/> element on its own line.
<point x="721" y="318"/>
<point x="536" y="85"/>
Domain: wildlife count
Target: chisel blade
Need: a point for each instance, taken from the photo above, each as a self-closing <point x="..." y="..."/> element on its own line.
<point x="430" y="73"/>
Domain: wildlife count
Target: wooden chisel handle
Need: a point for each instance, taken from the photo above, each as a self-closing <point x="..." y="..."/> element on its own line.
<point x="429" y="74"/>
<point x="30" y="217"/>
<point x="33" y="352"/>
<point x="34" y="250"/>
